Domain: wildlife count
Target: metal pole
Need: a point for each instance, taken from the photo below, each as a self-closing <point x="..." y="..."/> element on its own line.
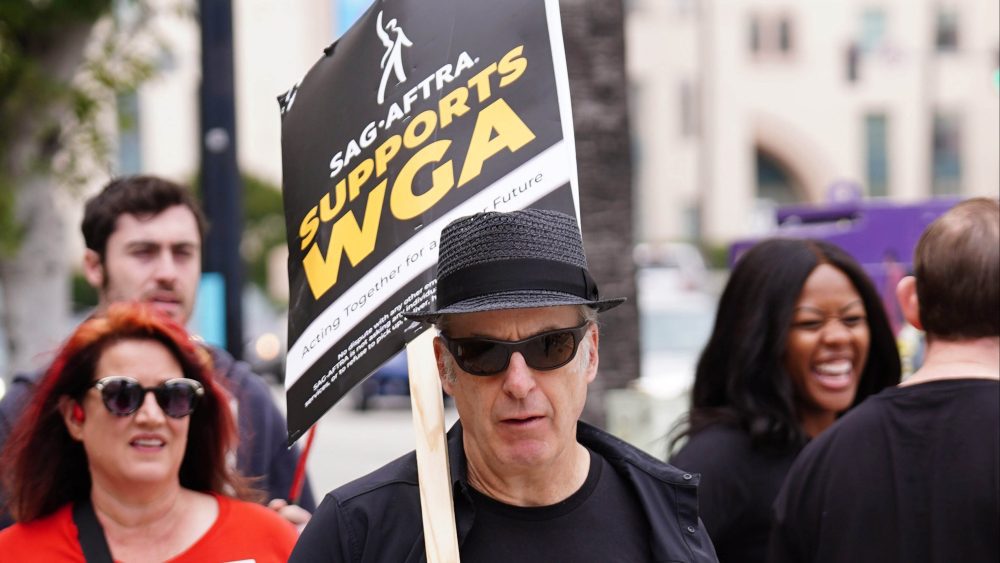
<point x="220" y="178"/>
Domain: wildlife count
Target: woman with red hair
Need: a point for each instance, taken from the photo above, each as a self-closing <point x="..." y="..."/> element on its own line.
<point x="123" y="454"/>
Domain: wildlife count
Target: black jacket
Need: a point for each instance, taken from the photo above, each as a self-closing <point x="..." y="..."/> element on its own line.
<point x="377" y="517"/>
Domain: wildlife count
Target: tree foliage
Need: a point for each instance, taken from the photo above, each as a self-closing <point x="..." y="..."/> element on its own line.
<point x="27" y="32"/>
<point x="61" y="63"/>
<point x="263" y="225"/>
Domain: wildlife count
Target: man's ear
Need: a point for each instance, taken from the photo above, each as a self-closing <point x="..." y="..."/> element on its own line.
<point x="593" y="358"/>
<point x="906" y="294"/>
<point x="93" y="269"/>
<point x="73" y="425"/>
<point x="440" y="357"/>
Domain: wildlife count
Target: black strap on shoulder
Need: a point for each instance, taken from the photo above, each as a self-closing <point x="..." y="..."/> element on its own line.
<point x="92" y="541"/>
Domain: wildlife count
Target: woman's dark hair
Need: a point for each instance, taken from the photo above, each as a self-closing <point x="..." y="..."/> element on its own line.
<point x="741" y="379"/>
<point x="46" y="468"/>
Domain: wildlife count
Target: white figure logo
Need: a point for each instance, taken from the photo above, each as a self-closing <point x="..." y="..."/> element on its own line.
<point x="392" y="60"/>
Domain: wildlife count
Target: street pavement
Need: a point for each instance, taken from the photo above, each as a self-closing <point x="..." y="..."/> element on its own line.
<point x="350" y="443"/>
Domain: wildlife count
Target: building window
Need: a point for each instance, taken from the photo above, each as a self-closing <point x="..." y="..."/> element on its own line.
<point x="770" y="35"/>
<point x="691" y="218"/>
<point x="785" y="36"/>
<point x="877" y="154"/>
<point x="129" y="138"/>
<point x="853" y="60"/>
<point x="996" y="71"/>
<point x="686" y="7"/>
<point x="873" y="30"/>
<point x="755" y="38"/>
<point x="946" y="139"/>
<point x="774" y="183"/>
<point x="946" y="30"/>
<point x="689" y="107"/>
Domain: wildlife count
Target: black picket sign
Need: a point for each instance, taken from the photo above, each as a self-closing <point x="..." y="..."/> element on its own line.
<point x="423" y="112"/>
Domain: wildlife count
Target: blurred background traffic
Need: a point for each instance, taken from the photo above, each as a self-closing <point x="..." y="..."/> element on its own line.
<point x="855" y="121"/>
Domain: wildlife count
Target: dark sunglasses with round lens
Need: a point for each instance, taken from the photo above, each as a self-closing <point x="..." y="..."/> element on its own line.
<point x="544" y="351"/>
<point x="123" y="396"/>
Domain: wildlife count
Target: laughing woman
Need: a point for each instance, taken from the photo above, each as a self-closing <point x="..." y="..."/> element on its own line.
<point x="800" y="337"/>
<point x="122" y="455"/>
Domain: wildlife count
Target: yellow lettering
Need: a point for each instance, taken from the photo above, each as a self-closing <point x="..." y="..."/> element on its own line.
<point x="325" y="213"/>
<point x="512" y="65"/>
<point x="412" y="139"/>
<point x="308" y="228"/>
<point x="481" y="82"/>
<point x="384" y="153"/>
<point x="347" y="237"/>
<point x="358" y="177"/>
<point x="511" y="133"/>
<point x="407" y="205"/>
<point x="453" y="105"/>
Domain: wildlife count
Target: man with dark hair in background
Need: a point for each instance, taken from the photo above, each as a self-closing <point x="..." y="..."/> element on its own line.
<point x="911" y="474"/>
<point x="144" y="238"/>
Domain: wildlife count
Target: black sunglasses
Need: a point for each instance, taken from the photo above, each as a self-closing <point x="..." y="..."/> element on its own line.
<point x="544" y="351"/>
<point x="123" y="396"/>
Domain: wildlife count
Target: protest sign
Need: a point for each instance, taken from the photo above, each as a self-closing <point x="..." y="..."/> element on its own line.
<point x="423" y="112"/>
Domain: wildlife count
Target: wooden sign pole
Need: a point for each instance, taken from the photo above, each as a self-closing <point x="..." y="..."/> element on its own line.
<point x="427" y="405"/>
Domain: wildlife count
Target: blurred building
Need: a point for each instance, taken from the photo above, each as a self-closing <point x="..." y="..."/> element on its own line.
<point x="736" y="105"/>
<point x="741" y="105"/>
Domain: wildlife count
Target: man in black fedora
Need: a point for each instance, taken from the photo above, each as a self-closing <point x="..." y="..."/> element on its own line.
<point x="518" y="345"/>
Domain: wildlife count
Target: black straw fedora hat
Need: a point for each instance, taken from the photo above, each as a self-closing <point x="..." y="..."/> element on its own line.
<point x="529" y="258"/>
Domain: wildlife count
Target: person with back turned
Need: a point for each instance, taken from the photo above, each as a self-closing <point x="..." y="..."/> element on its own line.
<point x="911" y="475"/>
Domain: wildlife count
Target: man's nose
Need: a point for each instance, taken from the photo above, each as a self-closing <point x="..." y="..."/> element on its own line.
<point x="166" y="267"/>
<point x="518" y="379"/>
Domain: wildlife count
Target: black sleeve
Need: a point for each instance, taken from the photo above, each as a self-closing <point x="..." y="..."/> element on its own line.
<point x="13" y="403"/>
<point x="325" y="537"/>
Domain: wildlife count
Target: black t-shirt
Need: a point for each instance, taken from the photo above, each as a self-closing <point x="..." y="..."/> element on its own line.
<point x="601" y="522"/>
<point x="738" y="486"/>
<point x="910" y="475"/>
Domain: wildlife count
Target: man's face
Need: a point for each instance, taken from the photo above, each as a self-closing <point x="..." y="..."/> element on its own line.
<point x="154" y="259"/>
<point x="521" y="418"/>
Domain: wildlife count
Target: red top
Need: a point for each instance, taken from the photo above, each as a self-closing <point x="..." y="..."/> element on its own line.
<point x="242" y="531"/>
